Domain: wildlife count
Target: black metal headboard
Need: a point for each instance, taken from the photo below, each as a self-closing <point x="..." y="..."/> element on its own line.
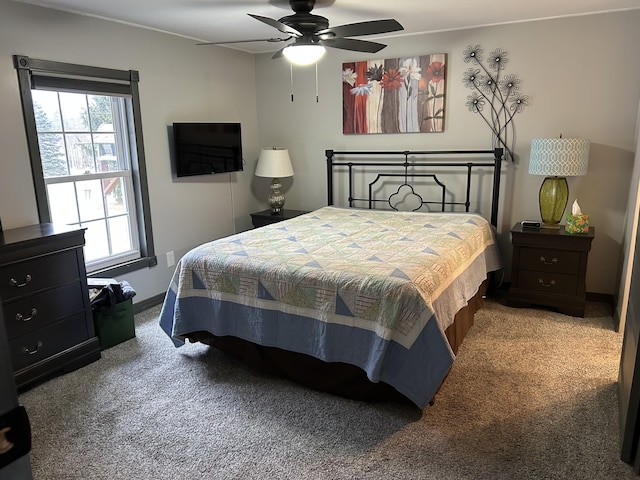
<point x="404" y="168"/>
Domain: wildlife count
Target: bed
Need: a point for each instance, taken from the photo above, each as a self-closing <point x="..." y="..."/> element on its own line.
<point x="357" y="300"/>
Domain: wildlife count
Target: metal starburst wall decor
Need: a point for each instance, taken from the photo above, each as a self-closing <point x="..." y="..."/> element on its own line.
<point x="495" y="96"/>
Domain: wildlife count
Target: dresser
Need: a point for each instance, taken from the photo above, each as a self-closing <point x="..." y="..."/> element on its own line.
<point x="260" y="219"/>
<point x="45" y="301"/>
<point x="549" y="267"/>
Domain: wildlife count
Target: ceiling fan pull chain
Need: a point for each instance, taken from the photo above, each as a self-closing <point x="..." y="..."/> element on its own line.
<point x="291" y="76"/>
<point x="317" y="96"/>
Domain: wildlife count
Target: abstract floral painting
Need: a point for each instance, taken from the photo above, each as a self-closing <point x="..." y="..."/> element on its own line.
<point x="397" y="95"/>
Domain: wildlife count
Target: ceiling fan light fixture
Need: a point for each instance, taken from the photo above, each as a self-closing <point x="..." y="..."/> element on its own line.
<point x="304" y="54"/>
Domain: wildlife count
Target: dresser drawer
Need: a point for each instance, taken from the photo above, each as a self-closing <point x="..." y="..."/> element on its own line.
<point x="26" y="315"/>
<point x="24" y="278"/>
<point x="546" y="282"/>
<point x="47" y="341"/>
<point x="550" y="260"/>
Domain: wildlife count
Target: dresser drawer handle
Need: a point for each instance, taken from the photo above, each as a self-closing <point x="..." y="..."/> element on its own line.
<point x="14" y="283"/>
<point x="26" y="350"/>
<point x="544" y="260"/>
<point x="550" y="284"/>
<point x="21" y="318"/>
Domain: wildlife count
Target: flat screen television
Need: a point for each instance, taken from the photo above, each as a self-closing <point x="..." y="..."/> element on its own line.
<point x="206" y="148"/>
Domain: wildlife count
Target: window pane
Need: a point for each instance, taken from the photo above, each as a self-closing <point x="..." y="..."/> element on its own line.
<point x="101" y="112"/>
<point x="115" y="193"/>
<point x="52" y="156"/>
<point x="47" y="111"/>
<point x="106" y="152"/>
<point x="120" y="235"/>
<point x="96" y="242"/>
<point x="80" y="153"/>
<point x="62" y="203"/>
<point x="75" y="114"/>
<point x="90" y="202"/>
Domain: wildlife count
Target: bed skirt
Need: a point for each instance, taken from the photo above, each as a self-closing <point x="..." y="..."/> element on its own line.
<point x="333" y="377"/>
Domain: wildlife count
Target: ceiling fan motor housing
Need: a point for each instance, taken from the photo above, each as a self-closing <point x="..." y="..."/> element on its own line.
<point x="303" y="20"/>
<point x="306" y="23"/>
<point x="302" y="6"/>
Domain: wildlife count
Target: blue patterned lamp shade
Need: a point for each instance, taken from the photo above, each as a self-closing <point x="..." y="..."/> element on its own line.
<point x="563" y="157"/>
<point x="557" y="158"/>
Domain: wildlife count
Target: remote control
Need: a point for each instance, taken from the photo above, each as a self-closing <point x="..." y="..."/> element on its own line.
<point x="530" y="223"/>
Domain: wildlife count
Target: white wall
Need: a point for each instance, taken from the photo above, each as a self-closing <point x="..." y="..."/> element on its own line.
<point x="583" y="78"/>
<point x="179" y="81"/>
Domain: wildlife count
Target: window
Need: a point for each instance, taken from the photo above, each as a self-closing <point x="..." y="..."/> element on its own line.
<point x="84" y="133"/>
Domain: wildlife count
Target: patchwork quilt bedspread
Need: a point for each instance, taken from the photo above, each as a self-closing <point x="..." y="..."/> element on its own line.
<point x="371" y="288"/>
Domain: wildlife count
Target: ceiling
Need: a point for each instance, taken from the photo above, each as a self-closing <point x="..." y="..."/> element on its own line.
<point x="224" y="20"/>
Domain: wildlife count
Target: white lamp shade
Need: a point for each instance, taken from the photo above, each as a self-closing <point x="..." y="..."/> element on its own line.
<point x="302" y="54"/>
<point x="562" y="157"/>
<point x="274" y="163"/>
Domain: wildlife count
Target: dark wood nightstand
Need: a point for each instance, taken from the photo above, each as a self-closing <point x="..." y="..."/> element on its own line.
<point x="549" y="267"/>
<point x="260" y="219"/>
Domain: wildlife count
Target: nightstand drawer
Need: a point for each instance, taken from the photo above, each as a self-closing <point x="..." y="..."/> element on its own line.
<point x="24" y="278"/>
<point x="548" y="282"/>
<point x="48" y="341"/>
<point x="549" y="260"/>
<point x="26" y="315"/>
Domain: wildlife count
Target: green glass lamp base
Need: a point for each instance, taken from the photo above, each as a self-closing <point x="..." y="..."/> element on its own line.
<point x="554" y="193"/>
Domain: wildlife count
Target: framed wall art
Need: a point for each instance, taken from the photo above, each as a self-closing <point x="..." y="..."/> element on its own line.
<point x="396" y="95"/>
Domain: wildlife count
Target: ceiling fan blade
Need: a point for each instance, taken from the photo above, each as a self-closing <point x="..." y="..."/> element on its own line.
<point x="278" y="54"/>
<point x="372" y="27"/>
<point x="353" y="44"/>
<point x="271" y="40"/>
<point x="277" y="25"/>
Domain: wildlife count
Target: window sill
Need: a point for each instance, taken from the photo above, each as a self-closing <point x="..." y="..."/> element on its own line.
<point x="127" y="267"/>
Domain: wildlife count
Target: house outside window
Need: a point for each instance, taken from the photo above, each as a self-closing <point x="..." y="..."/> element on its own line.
<point x="84" y="133"/>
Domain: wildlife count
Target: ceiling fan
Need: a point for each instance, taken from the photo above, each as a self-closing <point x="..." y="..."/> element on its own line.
<point x="311" y="33"/>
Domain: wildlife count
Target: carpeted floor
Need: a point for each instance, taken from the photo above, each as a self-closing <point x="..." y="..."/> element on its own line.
<point x="531" y="395"/>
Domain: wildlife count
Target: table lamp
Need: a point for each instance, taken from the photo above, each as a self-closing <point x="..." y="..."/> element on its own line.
<point x="557" y="158"/>
<point x="274" y="163"/>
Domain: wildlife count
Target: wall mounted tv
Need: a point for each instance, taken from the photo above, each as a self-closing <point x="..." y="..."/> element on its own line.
<point x="206" y="148"/>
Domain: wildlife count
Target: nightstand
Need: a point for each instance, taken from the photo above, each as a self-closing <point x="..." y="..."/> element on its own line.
<point x="260" y="219"/>
<point x="549" y="267"/>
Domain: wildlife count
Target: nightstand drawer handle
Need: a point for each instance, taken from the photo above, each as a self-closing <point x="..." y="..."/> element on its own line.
<point x="26" y="350"/>
<point x="21" y="318"/>
<point x="14" y="283"/>
<point x="544" y="260"/>
<point x="550" y="284"/>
